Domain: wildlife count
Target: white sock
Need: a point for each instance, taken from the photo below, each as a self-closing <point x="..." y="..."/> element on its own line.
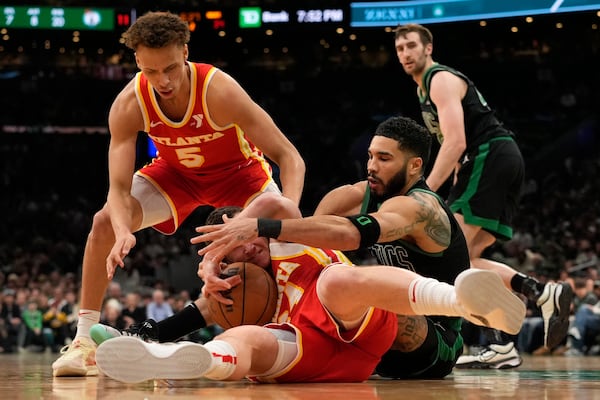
<point x="86" y="319"/>
<point x="224" y="360"/>
<point x="431" y="297"/>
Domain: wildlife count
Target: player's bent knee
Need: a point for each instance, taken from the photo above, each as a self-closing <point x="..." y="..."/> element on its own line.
<point x="334" y="284"/>
<point x="101" y="226"/>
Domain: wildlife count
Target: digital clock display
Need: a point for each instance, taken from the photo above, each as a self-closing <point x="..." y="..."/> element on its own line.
<point x="320" y="15"/>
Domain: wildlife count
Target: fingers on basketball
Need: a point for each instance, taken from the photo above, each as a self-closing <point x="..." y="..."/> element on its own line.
<point x="254" y="300"/>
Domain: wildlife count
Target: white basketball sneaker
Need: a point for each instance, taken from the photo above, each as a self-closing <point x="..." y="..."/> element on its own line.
<point x="131" y="360"/>
<point x="488" y="302"/>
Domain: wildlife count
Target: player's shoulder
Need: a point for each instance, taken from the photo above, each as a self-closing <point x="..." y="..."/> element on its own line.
<point x="127" y="96"/>
<point x="343" y="200"/>
<point x="350" y="191"/>
<point x="125" y="108"/>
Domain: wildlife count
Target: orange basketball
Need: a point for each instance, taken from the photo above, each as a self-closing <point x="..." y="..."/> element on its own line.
<point x="254" y="300"/>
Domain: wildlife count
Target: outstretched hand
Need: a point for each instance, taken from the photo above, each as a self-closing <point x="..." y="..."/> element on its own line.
<point x="223" y="238"/>
<point x="122" y="247"/>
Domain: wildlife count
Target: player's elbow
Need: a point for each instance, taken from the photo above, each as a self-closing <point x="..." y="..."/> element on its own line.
<point x="274" y="205"/>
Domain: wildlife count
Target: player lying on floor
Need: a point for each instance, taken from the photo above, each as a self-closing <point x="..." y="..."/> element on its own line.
<point x="418" y="229"/>
<point x="333" y="323"/>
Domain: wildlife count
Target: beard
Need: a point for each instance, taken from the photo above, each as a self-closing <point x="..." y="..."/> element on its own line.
<point x="418" y="66"/>
<point x="393" y="187"/>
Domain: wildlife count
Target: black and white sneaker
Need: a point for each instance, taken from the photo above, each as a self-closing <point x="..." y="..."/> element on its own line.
<point x="494" y="356"/>
<point x="146" y="330"/>
<point x="555" y="303"/>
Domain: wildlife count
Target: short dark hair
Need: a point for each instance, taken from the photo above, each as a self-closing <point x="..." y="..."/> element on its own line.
<point x="424" y="33"/>
<point x="157" y="29"/>
<point x="216" y="216"/>
<point x="411" y="137"/>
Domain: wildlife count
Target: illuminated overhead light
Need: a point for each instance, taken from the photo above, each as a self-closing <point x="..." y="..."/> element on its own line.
<point x="339" y="31"/>
<point x="238" y="39"/>
<point x="213" y="15"/>
<point x="352" y="37"/>
<point x="482" y="23"/>
<point x="269" y="32"/>
<point x="529" y="19"/>
<point x="222" y="33"/>
<point x="514" y="29"/>
<point x="266" y="50"/>
<point x="388" y="29"/>
<point x="559" y="25"/>
<point x="5" y="37"/>
<point x="594" y="26"/>
<point x="3" y="31"/>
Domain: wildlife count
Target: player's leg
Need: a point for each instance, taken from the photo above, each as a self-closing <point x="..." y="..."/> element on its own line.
<point x="553" y="298"/>
<point x="191" y="318"/>
<point x="240" y="351"/>
<point x="500" y="351"/>
<point x="433" y="358"/>
<point x="78" y="358"/>
<point x="348" y="292"/>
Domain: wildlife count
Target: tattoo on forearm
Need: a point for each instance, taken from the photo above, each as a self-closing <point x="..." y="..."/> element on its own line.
<point x="432" y="215"/>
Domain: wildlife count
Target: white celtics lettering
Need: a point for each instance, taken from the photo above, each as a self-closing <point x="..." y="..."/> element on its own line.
<point x="389" y="254"/>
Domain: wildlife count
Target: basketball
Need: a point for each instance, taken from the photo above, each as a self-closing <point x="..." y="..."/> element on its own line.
<point x="254" y="299"/>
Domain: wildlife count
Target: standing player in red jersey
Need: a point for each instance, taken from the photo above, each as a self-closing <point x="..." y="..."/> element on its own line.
<point x="210" y="137"/>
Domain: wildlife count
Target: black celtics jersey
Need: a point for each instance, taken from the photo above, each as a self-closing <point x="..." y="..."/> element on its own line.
<point x="443" y="266"/>
<point x="480" y="121"/>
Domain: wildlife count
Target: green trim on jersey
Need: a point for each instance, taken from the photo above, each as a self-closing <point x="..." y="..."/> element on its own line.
<point x="446" y="352"/>
<point x="462" y="203"/>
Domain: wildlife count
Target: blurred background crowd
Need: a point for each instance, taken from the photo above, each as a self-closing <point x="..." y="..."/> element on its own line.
<point x="327" y="93"/>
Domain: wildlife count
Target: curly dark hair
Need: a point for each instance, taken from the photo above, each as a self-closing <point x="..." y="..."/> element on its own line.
<point x="411" y="137"/>
<point x="157" y="29"/>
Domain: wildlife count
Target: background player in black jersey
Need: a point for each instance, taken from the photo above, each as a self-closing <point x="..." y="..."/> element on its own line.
<point x="404" y="224"/>
<point x="488" y="172"/>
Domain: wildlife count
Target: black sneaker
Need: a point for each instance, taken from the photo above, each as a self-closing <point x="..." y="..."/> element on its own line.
<point x="146" y="330"/>
<point x="555" y="303"/>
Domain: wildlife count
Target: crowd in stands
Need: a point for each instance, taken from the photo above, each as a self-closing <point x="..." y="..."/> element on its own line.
<point x="51" y="184"/>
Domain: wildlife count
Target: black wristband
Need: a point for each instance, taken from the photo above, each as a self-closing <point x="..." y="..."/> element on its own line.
<point x="368" y="227"/>
<point x="270" y="228"/>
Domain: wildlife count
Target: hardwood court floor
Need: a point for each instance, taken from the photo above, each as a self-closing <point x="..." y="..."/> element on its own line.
<point x="29" y="376"/>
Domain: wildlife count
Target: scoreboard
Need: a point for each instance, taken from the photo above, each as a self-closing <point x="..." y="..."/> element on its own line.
<point x="77" y="18"/>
